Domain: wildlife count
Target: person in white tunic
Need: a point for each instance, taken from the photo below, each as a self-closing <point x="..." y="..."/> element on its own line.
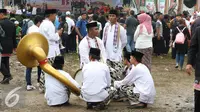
<point x="138" y="85"/>
<point x="96" y="82"/>
<point x="57" y="93"/>
<point x="115" y="39"/>
<point x="91" y="41"/>
<point x="48" y="29"/>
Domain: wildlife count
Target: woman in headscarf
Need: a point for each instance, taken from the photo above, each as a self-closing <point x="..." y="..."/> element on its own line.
<point x="143" y="38"/>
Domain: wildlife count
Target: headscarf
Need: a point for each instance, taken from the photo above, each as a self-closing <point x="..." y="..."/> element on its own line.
<point x="145" y="20"/>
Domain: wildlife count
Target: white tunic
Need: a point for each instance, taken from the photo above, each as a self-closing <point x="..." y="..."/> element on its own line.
<point x="70" y="23"/>
<point x="56" y="92"/>
<point x="32" y="29"/>
<point x="143" y="81"/>
<point x="111" y="55"/>
<point x="96" y="77"/>
<point x="84" y="49"/>
<point x="47" y="28"/>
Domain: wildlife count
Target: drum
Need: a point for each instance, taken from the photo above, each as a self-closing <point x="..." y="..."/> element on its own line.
<point x="78" y="77"/>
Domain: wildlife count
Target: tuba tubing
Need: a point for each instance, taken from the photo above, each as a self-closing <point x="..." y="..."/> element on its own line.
<point x="40" y="55"/>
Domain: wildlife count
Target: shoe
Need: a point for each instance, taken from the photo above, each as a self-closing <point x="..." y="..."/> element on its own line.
<point x="138" y="106"/>
<point x="30" y="87"/>
<point x="176" y="66"/>
<point x="5" y="81"/>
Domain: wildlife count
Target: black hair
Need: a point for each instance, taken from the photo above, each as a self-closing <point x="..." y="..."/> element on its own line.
<point x="38" y="19"/>
<point x="95" y="17"/>
<point x="95" y="57"/>
<point x="132" y="12"/>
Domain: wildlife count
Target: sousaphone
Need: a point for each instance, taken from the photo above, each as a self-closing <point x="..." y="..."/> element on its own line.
<point x="32" y="51"/>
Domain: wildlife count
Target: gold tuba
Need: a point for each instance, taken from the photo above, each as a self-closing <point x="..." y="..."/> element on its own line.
<point x="32" y="51"/>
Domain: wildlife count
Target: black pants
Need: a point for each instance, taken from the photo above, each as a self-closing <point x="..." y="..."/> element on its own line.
<point x="167" y="42"/>
<point x="197" y="101"/>
<point x="5" y="67"/>
<point x="173" y="53"/>
<point x="72" y="44"/>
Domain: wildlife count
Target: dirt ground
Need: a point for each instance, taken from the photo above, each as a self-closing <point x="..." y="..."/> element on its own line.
<point x="174" y="90"/>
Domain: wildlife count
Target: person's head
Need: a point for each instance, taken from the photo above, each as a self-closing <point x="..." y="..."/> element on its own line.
<point x="58" y="62"/>
<point x="68" y="13"/>
<point x="136" y="57"/>
<point x="127" y="58"/>
<point x="113" y="16"/>
<point x="38" y="20"/>
<point x="95" y="17"/>
<point x="16" y="23"/>
<point x="160" y="16"/>
<point x="144" y="18"/>
<point x="59" y="13"/>
<point x="94" y="54"/>
<point x="92" y="29"/>
<point x="3" y="13"/>
<point x="182" y="22"/>
<point x="132" y="13"/>
<point x="62" y="18"/>
<point x="51" y="14"/>
<point x="84" y="15"/>
<point x="166" y="18"/>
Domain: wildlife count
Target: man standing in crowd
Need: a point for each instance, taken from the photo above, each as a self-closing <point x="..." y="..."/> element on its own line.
<point x="91" y="41"/>
<point x="102" y="20"/>
<point x="34" y="28"/>
<point x="193" y="60"/>
<point x="48" y="29"/>
<point x="138" y="85"/>
<point x="131" y="25"/>
<point x="114" y="38"/>
<point x="81" y="26"/>
<point x="8" y="44"/>
<point x="71" y="29"/>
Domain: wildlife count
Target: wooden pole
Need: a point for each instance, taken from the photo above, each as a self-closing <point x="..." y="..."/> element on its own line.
<point x="156" y="4"/>
<point x="166" y="6"/>
<point x="180" y="6"/>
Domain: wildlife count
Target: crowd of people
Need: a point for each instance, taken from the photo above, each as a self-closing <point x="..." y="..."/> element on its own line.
<point x="115" y="51"/>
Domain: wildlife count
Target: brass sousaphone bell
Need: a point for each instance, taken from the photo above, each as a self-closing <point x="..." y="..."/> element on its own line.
<point x="32" y="51"/>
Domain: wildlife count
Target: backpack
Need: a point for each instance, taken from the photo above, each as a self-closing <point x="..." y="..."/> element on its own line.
<point x="24" y="28"/>
<point x="180" y="37"/>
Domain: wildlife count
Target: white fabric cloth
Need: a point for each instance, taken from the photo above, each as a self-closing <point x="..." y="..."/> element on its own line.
<point x="143" y="81"/>
<point x="34" y="11"/>
<point x="32" y="29"/>
<point x="56" y="92"/>
<point x="143" y="40"/>
<point x="70" y="23"/>
<point x="96" y="77"/>
<point x="48" y="29"/>
<point x="84" y="50"/>
<point x="111" y="55"/>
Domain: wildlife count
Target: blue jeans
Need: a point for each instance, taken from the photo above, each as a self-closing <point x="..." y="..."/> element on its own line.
<point x="28" y="75"/>
<point x="130" y="46"/>
<point x="180" y="59"/>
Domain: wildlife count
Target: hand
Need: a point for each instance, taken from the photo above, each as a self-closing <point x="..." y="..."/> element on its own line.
<point x="189" y="69"/>
<point x="60" y="31"/>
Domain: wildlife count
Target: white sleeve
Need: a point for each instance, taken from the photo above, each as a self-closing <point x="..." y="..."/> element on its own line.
<point x="84" y="52"/>
<point x="100" y="27"/>
<point x="136" y="33"/>
<point x="108" y="77"/>
<point x="72" y="23"/>
<point x="127" y="80"/>
<point x="123" y="37"/>
<point x="103" y="51"/>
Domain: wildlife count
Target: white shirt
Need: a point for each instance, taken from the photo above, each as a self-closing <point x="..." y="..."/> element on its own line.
<point x="48" y="29"/>
<point x="143" y="81"/>
<point x="56" y="92"/>
<point x="32" y="29"/>
<point x="143" y="40"/>
<point x="70" y="23"/>
<point x="96" y="77"/>
<point x="111" y="55"/>
<point x="84" y="50"/>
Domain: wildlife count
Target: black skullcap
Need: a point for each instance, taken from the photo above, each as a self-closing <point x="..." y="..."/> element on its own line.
<point x="114" y="12"/>
<point x="92" y="24"/>
<point x="50" y="11"/>
<point x="59" y="60"/>
<point x="95" y="52"/>
<point x="138" y="55"/>
<point x="127" y="56"/>
<point x="3" y="11"/>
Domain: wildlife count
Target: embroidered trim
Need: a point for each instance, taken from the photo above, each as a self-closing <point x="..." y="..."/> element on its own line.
<point x="97" y="45"/>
